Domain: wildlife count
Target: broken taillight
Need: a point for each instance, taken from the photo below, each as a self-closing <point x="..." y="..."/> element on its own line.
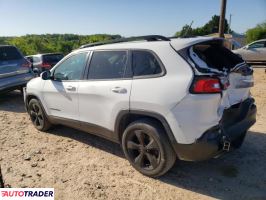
<point x="206" y="85"/>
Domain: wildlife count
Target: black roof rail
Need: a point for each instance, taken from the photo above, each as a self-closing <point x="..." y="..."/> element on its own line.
<point x="148" y="38"/>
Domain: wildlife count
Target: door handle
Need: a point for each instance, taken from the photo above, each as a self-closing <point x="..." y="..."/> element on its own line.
<point x="71" y="88"/>
<point x="119" y="90"/>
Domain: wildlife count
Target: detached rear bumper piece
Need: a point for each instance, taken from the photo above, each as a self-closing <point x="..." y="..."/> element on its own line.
<point x="228" y="135"/>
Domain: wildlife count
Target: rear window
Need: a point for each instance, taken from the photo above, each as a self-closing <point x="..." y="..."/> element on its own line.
<point x="144" y="63"/>
<point x="214" y="55"/>
<point x="108" y="65"/>
<point x="53" y="58"/>
<point x="36" y="59"/>
<point x="9" y="53"/>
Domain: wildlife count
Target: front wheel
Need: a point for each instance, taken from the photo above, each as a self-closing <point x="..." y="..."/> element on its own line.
<point x="37" y="116"/>
<point x="147" y="148"/>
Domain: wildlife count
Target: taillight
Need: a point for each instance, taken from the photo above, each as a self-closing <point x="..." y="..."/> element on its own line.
<point x="206" y="85"/>
<point x="46" y="65"/>
<point x="26" y="64"/>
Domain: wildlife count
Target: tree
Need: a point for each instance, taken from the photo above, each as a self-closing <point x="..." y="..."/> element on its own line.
<point x="256" y="33"/>
<point x="51" y="43"/>
<point x="186" y="30"/>
<point x="210" y="27"/>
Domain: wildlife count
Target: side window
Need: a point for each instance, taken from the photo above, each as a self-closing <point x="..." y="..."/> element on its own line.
<point x="72" y="68"/>
<point x="145" y="63"/>
<point x="108" y="65"/>
<point x="257" y="45"/>
<point x="29" y="58"/>
<point x="36" y="59"/>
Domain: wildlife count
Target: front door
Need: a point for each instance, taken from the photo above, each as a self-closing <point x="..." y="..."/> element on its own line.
<point x="60" y="93"/>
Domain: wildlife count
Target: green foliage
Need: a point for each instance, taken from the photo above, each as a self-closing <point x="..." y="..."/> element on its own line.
<point x="259" y="32"/>
<point x="51" y="43"/>
<point x="210" y="27"/>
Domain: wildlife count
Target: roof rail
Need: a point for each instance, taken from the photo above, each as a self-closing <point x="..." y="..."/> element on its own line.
<point x="148" y="38"/>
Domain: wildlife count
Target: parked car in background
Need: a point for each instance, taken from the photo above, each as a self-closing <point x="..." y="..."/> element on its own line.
<point x="254" y="53"/>
<point x="159" y="98"/>
<point x="232" y="44"/>
<point x="30" y="59"/>
<point x="43" y="62"/>
<point x="15" y="70"/>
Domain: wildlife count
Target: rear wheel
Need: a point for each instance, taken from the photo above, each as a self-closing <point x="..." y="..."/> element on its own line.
<point x="146" y="146"/>
<point x="38" y="116"/>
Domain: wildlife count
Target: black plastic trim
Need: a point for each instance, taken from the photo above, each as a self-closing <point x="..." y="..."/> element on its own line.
<point x="86" y="127"/>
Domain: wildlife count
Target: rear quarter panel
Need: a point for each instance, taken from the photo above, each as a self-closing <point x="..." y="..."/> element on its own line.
<point x="161" y="94"/>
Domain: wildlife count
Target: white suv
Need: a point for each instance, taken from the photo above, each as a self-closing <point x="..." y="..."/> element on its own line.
<point x="159" y="98"/>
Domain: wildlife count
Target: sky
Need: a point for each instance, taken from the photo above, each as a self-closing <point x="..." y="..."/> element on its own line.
<point x="124" y="17"/>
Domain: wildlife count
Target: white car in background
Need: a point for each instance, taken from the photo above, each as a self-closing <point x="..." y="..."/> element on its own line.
<point x="253" y="53"/>
<point x="159" y="98"/>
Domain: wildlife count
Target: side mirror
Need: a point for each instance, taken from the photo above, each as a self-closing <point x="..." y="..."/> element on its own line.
<point x="46" y="75"/>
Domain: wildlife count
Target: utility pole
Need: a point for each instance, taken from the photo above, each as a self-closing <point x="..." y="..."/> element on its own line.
<point x="222" y="18"/>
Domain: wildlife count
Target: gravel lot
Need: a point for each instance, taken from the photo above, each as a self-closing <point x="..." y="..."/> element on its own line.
<point x="81" y="166"/>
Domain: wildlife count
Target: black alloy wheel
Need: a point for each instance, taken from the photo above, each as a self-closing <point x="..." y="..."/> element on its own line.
<point x="37" y="116"/>
<point x="146" y="146"/>
<point x="143" y="150"/>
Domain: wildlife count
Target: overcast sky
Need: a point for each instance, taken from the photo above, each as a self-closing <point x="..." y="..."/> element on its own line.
<point x="124" y="17"/>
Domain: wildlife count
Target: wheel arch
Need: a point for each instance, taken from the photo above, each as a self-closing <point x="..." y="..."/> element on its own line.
<point x="31" y="96"/>
<point x="126" y="117"/>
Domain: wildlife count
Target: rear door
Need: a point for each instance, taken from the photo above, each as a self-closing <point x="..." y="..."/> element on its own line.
<point x="12" y="62"/>
<point x="106" y="90"/>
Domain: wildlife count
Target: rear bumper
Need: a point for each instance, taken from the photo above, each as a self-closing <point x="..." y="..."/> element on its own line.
<point x="13" y="82"/>
<point x="254" y="62"/>
<point x="226" y="136"/>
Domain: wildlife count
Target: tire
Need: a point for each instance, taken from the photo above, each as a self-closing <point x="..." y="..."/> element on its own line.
<point x="38" y="116"/>
<point x="147" y="148"/>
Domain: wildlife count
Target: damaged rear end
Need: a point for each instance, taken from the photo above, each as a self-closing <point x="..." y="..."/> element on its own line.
<point x="219" y="97"/>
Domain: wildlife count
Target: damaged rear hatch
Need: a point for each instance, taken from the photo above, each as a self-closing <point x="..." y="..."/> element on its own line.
<point x="209" y="56"/>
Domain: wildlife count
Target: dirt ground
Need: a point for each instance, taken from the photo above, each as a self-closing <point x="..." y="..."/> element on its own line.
<point x="81" y="166"/>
